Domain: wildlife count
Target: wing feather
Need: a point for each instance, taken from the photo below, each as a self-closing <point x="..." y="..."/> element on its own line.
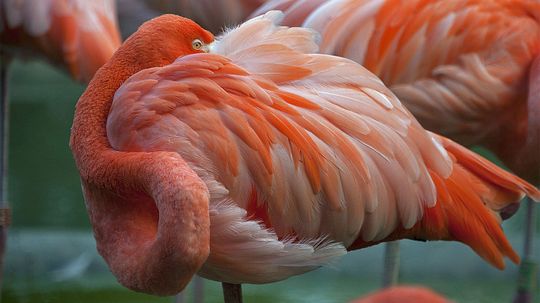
<point x="328" y="149"/>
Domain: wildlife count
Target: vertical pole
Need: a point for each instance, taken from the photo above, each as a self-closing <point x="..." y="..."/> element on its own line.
<point x="528" y="268"/>
<point x="4" y="123"/>
<point x="391" y="264"/>
<point x="232" y="293"/>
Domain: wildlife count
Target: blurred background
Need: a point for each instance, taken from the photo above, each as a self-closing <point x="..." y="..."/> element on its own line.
<point x="51" y="254"/>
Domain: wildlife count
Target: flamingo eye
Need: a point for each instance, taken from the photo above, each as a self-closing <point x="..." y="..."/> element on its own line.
<point x="197" y="44"/>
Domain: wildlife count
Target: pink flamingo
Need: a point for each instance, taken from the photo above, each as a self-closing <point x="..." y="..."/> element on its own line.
<point x="262" y="160"/>
<point x="78" y="35"/>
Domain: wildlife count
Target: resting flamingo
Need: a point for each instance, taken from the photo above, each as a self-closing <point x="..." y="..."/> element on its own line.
<point x="466" y="69"/>
<point x="262" y="159"/>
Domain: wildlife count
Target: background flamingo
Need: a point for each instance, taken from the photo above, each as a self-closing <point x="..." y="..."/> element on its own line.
<point x="466" y="69"/>
<point x="403" y="294"/>
<point x="291" y="163"/>
<point x="77" y="35"/>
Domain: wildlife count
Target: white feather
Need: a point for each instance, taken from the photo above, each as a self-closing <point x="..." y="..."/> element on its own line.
<point x="243" y="251"/>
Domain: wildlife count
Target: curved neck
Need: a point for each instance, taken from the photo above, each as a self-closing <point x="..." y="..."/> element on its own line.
<point x="88" y="133"/>
<point x="149" y="211"/>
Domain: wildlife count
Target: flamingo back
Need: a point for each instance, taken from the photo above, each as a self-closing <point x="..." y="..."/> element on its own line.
<point x="466" y="60"/>
<point x="455" y="64"/>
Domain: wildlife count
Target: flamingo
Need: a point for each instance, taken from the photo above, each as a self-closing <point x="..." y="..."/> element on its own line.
<point x="77" y="35"/>
<point x="403" y="294"/>
<point x="251" y="159"/>
<point x="466" y="69"/>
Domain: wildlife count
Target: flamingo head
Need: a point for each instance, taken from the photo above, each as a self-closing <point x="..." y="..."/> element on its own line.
<point x="166" y="38"/>
<point x="159" y="42"/>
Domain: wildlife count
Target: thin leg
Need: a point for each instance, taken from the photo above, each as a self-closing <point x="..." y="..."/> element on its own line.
<point x="179" y="298"/>
<point x="198" y="290"/>
<point x="4" y="122"/>
<point x="232" y="293"/>
<point x="528" y="268"/>
<point x="391" y="264"/>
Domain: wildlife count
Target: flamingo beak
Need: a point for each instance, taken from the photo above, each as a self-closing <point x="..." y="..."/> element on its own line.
<point x="207" y="48"/>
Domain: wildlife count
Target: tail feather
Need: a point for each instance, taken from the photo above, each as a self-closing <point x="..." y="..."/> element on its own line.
<point x="505" y="184"/>
<point x="470" y="202"/>
<point x="468" y="220"/>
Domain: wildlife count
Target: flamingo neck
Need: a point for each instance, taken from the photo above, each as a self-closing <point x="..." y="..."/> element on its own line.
<point x="517" y="142"/>
<point x="521" y="149"/>
<point x="533" y="124"/>
<point x="89" y="125"/>
<point x="149" y="211"/>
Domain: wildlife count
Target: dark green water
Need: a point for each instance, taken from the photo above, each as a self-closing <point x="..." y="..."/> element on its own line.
<point x="44" y="188"/>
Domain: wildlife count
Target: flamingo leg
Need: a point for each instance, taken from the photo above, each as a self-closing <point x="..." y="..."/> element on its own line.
<point x="391" y="264"/>
<point x="4" y="122"/>
<point x="198" y="290"/>
<point x="528" y="268"/>
<point x="232" y="293"/>
<point x="179" y="298"/>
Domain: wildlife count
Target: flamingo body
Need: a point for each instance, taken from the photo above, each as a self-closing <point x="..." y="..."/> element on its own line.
<point x="262" y="160"/>
<point x="80" y="35"/>
<point x="461" y="67"/>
